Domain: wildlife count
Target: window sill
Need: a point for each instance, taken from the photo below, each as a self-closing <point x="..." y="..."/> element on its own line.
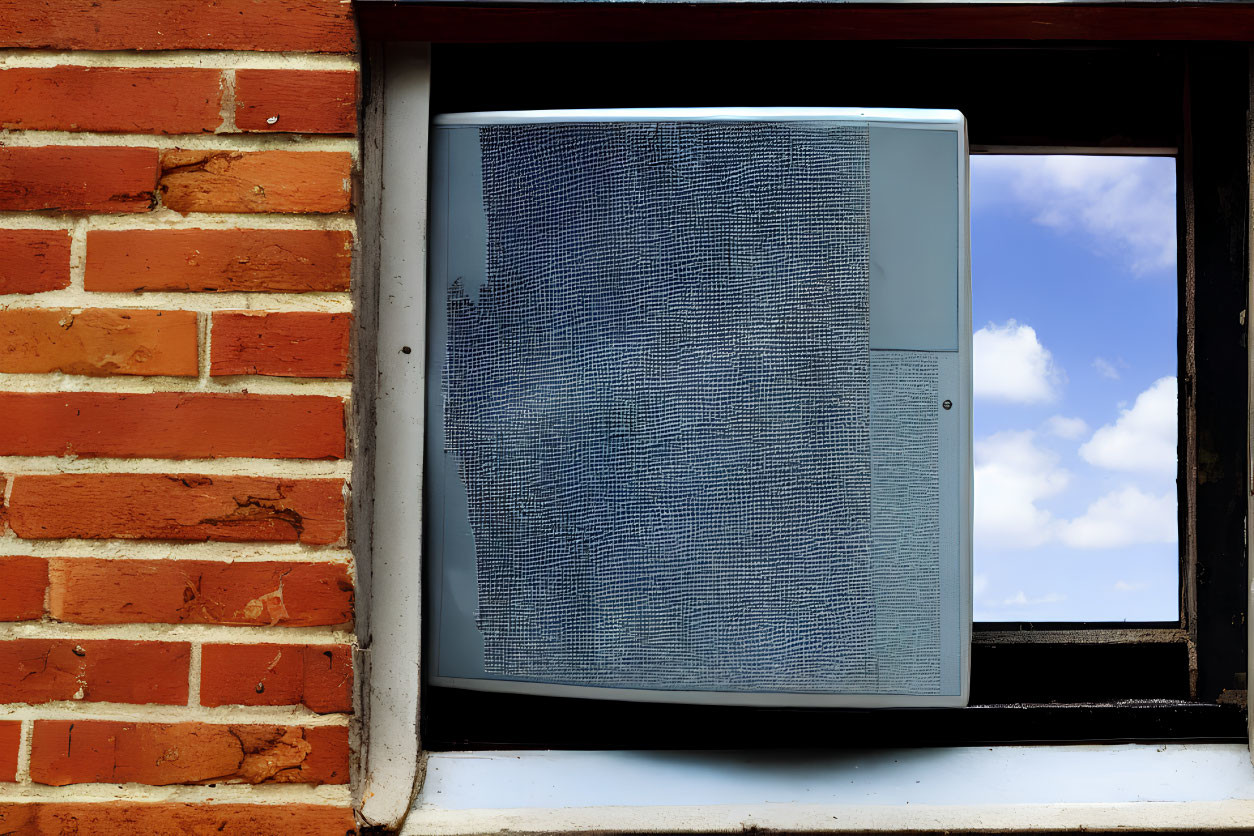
<point x="1020" y="788"/>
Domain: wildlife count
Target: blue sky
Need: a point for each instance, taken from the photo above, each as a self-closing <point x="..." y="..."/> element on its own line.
<point x="1074" y="311"/>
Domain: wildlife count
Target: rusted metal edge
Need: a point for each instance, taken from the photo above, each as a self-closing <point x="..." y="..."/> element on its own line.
<point x="1154" y="635"/>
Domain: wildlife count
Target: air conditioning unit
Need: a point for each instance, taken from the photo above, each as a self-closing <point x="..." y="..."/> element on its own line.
<point x="699" y="406"/>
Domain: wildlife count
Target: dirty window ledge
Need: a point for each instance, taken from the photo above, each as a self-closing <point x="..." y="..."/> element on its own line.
<point x="1017" y="788"/>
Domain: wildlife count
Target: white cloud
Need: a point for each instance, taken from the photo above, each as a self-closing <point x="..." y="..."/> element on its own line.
<point x="1143" y="439"/>
<point x="1066" y="428"/>
<point x="1124" y="204"/>
<point x="1125" y="586"/>
<point x="1012" y="474"/>
<point x="1020" y="599"/>
<point x="1125" y="517"/>
<point x="1105" y="368"/>
<point x="1010" y="364"/>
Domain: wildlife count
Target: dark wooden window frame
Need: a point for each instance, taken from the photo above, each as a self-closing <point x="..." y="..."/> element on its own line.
<point x="1047" y="683"/>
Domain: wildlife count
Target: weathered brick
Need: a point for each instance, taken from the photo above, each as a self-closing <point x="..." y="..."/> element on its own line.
<point x="34" y="260"/>
<point x="278" y="593"/>
<point x="292" y="25"/>
<point x="256" y="181"/>
<point x="25" y="582"/>
<point x="297" y="101"/>
<point x="115" y="818"/>
<point x="329" y="759"/>
<point x="10" y="741"/>
<point x="287" y="260"/>
<point x="171" y="425"/>
<point x="77" y="179"/>
<point x="43" y="670"/>
<point x="98" y="341"/>
<point x="142" y="506"/>
<point x="290" y="344"/>
<point x="95" y="751"/>
<point x="317" y="676"/>
<point x="169" y="100"/>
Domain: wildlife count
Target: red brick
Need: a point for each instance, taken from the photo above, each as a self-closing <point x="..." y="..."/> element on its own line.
<point x="77" y="179"/>
<point x="10" y="741"/>
<point x="173" y="100"/>
<point x="34" y="260"/>
<point x="299" y="101"/>
<point x="297" y="344"/>
<point x="171" y="819"/>
<point x="103" y="751"/>
<point x="43" y="670"/>
<point x="171" y="425"/>
<point x="277" y="593"/>
<point x="329" y="758"/>
<point x="142" y="506"/>
<point x="98" y="341"/>
<point x="317" y="676"/>
<point x="287" y="26"/>
<point x="256" y="181"/>
<point x="286" y="260"/>
<point x="23" y="589"/>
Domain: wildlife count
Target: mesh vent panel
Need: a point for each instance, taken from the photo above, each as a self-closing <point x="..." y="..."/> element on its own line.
<point x="658" y="401"/>
<point x="905" y="520"/>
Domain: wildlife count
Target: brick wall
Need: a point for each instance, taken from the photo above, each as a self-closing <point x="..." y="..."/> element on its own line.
<point x="176" y="248"/>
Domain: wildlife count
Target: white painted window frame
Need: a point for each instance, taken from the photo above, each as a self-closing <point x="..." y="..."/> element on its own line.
<point x="1023" y="789"/>
<point x="390" y="751"/>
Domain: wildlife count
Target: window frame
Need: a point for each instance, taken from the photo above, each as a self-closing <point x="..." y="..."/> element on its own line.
<point x="1213" y="199"/>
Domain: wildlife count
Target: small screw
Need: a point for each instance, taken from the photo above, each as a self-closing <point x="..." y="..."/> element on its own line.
<point x="948" y="404"/>
<point x="78" y="650"/>
<point x="261" y="687"/>
<point x="406" y="349"/>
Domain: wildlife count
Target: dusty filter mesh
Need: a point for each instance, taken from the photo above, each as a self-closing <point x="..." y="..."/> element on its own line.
<point x="905" y="521"/>
<point x="659" y="407"/>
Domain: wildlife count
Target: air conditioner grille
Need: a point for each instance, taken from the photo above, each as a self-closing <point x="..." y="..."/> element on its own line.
<point x="659" y="405"/>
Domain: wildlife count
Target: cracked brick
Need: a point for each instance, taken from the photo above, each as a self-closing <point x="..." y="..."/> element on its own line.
<point x="256" y="181"/>
<point x="101" y="591"/>
<point x="102" y="751"/>
<point x="161" y="507"/>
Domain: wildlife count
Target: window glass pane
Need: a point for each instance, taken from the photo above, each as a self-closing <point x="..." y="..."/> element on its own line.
<point x="1074" y="311"/>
